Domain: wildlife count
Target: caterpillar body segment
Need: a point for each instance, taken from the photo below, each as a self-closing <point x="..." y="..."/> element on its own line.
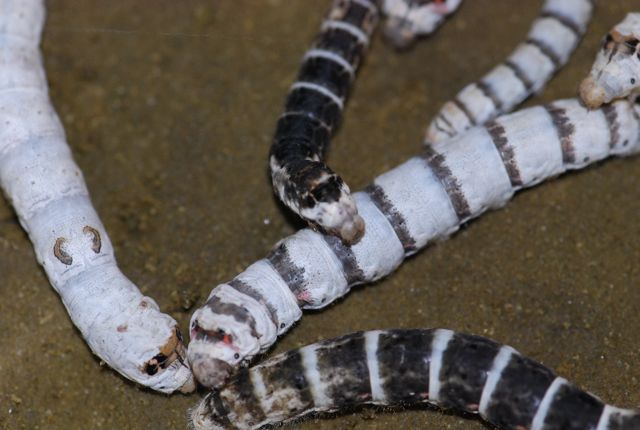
<point x="408" y="19"/>
<point x="426" y="198"/>
<point x="552" y="38"/>
<point x="616" y="70"/>
<point x="401" y="367"/>
<point x="313" y="110"/>
<point x="47" y="190"/>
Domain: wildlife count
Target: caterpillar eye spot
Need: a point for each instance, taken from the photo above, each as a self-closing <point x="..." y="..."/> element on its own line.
<point x="96" y="241"/>
<point x="60" y="253"/>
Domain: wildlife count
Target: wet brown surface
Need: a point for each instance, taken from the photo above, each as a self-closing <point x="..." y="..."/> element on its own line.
<point x="169" y="108"/>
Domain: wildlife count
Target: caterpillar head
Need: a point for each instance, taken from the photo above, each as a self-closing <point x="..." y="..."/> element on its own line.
<point x="616" y="70"/>
<point x="408" y="19"/>
<point x="205" y="415"/>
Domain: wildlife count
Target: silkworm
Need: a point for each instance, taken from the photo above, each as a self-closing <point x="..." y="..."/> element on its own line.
<point x="552" y="38"/>
<point x="47" y="190"/>
<point x="313" y="110"/>
<point x="426" y="198"/>
<point x="449" y="369"/>
<point x="616" y="70"/>
<point x="408" y="19"/>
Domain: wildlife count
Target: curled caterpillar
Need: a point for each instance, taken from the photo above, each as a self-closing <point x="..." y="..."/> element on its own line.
<point x="552" y="38"/>
<point x="616" y="70"/>
<point x="426" y="198"/>
<point x="398" y="367"/>
<point x="313" y="110"/>
<point x="408" y="19"/>
<point x="48" y="192"/>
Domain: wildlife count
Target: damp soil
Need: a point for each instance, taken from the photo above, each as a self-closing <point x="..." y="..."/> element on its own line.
<point x="169" y="108"/>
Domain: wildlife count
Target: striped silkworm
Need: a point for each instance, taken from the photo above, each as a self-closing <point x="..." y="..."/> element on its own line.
<point x="47" y="190"/>
<point x="408" y="19"/>
<point x="441" y="367"/>
<point x="552" y="38"/>
<point x="426" y="198"/>
<point x="313" y="109"/>
<point x="616" y="70"/>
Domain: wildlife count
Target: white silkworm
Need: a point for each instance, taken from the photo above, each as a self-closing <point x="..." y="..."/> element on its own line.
<point x="47" y="190"/>
<point x="408" y="19"/>
<point x="552" y="38"/>
<point x="616" y="70"/>
<point x="425" y="198"/>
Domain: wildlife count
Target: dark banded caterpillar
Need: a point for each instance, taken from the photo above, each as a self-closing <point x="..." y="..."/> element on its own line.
<point x="408" y="19"/>
<point x="399" y="367"/>
<point x="552" y="38"/>
<point x="47" y="190"/>
<point x="426" y="198"/>
<point x="616" y="70"/>
<point x="313" y="110"/>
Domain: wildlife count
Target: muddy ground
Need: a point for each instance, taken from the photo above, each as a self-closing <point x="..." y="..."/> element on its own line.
<point x="169" y="108"/>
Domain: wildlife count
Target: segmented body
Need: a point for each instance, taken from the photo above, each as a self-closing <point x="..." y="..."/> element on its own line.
<point x="552" y="38"/>
<point x="408" y="19"/>
<point x="616" y="70"/>
<point x="426" y="198"/>
<point x="441" y="367"/>
<point x="48" y="192"/>
<point x="313" y="110"/>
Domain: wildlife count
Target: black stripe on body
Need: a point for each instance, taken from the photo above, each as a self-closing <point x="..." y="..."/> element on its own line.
<point x="404" y="358"/>
<point x="547" y="51"/>
<point x="291" y="274"/>
<point x="465" y="364"/>
<point x="299" y="136"/>
<point x="364" y="16"/>
<point x="395" y="218"/>
<point x="611" y="115"/>
<point x="619" y="421"/>
<point x="343" y="368"/>
<point x="489" y="93"/>
<point x="506" y="151"/>
<point x="573" y="409"/>
<point x="286" y="384"/>
<point x="352" y="272"/>
<point x="465" y="109"/>
<point x="326" y="73"/>
<point x="241" y="398"/>
<point x="520" y="74"/>
<point x="341" y="43"/>
<point x="565" y="130"/>
<point x="237" y="312"/>
<point x="564" y="20"/>
<point x="246" y="289"/>
<point x="452" y="187"/>
<point x="518" y="394"/>
<point x="314" y="104"/>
